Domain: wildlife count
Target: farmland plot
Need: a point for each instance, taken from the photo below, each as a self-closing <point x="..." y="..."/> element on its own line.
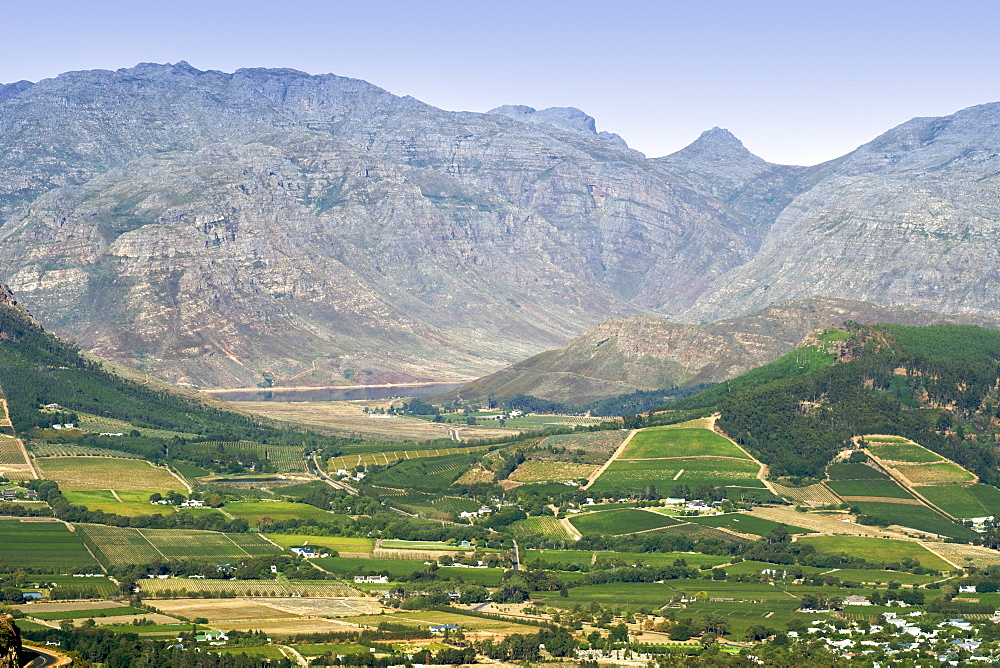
<point x="659" y="442"/>
<point x="935" y="474"/>
<point x="13" y="464"/>
<point x="617" y="522"/>
<point x="77" y="474"/>
<point x="174" y="587"/>
<point x="387" y="457"/>
<point x="285" y="458"/>
<point x="978" y="500"/>
<point x="904" y="452"/>
<point x="877" y="550"/>
<point x="119" y="545"/>
<point x="42" y="545"/>
<point x="541" y="471"/>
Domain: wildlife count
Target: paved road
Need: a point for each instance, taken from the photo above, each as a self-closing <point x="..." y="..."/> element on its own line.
<point x="330" y="481"/>
<point x="39" y="659"/>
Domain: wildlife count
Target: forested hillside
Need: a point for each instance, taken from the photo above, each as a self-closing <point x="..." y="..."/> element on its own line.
<point x="936" y="385"/>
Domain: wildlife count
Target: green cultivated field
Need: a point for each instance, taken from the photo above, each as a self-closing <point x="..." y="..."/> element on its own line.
<point x="616" y="522"/>
<point x="118" y="545"/>
<point x="668" y="473"/>
<point x="42" y="545"/>
<point x="252" y="511"/>
<point x="488" y="577"/>
<point x="346" y="566"/>
<point x="77" y="474"/>
<point x="921" y="518"/>
<point x="977" y="500"/>
<point x="744" y="524"/>
<point x="903" y="452"/>
<point x="660" y="442"/>
<point x="317" y="650"/>
<point x="877" y="550"/>
<point x="853" y="472"/>
<point x="882" y="488"/>
<point x="133" y="503"/>
<point x="935" y="474"/>
<point x="862" y="575"/>
<point x="110" y="611"/>
<point x="387" y="457"/>
<point x="338" y="543"/>
<point x="541" y="525"/>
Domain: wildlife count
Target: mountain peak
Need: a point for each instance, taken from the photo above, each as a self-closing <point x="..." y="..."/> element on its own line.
<point x="564" y="118"/>
<point x="718" y="144"/>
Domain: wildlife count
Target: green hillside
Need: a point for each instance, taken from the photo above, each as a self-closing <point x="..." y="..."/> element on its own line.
<point x="796" y="413"/>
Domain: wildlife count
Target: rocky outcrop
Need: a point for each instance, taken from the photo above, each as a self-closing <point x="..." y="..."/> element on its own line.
<point x="644" y="353"/>
<point x="10" y="644"/>
<point x="911" y="218"/>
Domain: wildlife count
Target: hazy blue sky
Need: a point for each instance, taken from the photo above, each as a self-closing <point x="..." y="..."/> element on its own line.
<point x="799" y="81"/>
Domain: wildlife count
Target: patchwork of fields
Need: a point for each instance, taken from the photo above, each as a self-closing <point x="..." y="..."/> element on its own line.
<point x="120" y="545"/>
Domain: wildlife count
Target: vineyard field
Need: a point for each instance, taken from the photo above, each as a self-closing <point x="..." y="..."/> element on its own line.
<point x="174" y="587"/>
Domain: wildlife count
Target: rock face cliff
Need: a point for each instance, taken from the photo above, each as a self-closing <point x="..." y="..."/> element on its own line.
<point x="10" y="644"/>
<point x="274" y="227"/>
<point x="911" y="218"/>
<point x="642" y="353"/>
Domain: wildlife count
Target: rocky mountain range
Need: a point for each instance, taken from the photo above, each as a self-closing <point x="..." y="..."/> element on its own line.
<point x="273" y="227"/>
<point x="622" y="355"/>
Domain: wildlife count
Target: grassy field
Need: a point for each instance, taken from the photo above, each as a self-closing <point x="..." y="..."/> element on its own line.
<point x="78" y="474"/>
<point x="134" y="503"/>
<point x="253" y="511"/>
<point x="338" y="543"/>
<point x="616" y="522"/>
<point x="877" y="488"/>
<point x="48" y="546"/>
<point x="903" y="452"/>
<point x="877" y="550"/>
<point x="921" y="518"/>
<point x="539" y="471"/>
<point x="744" y="524"/>
<point x="977" y="500"/>
<point x="657" y="442"/>
<point x="853" y="472"/>
<point x="119" y="545"/>
<point x="935" y="474"/>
